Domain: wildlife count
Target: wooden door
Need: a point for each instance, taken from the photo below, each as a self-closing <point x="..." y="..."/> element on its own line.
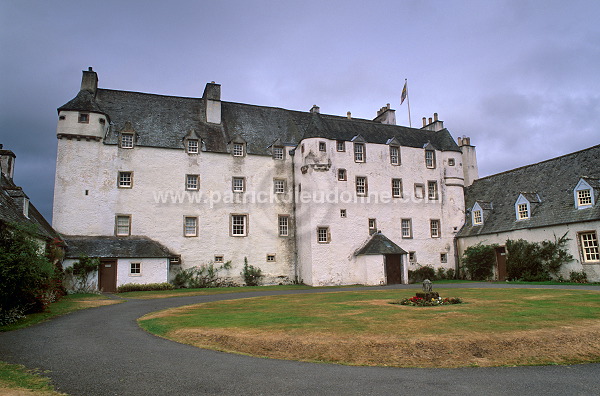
<point x="501" y="263"/>
<point x="393" y="268"/>
<point x="107" y="276"/>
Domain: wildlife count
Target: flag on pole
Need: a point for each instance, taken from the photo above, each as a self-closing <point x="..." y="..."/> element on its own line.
<point x="404" y="93"/>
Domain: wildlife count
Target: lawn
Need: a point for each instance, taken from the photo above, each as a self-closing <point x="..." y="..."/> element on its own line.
<point x="494" y="327"/>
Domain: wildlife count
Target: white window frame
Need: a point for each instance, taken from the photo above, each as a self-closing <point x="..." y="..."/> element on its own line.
<point x="239" y="225"/>
<point x="588" y="244"/>
<point x="126" y="140"/>
<point x="323" y="235"/>
<point x="584" y="195"/>
<point x="238" y="184"/>
<point x="190" y="226"/>
<point x="443" y="257"/>
<point x="135" y="268"/>
<point x="477" y="217"/>
<point x="372" y="226"/>
<point x="279" y="186"/>
<point x="432" y="190"/>
<point x="192" y="182"/>
<point x="238" y="149"/>
<point x="340" y="146"/>
<point x="396" y="188"/>
<point x="362" y="186"/>
<point x="430" y="159"/>
<point x="406" y="228"/>
<point x="125" y="179"/>
<point x="278" y="153"/>
<point x="122" y="225"/>
<point x="359" y="152"/>
<point x="434" y="228"/>
<point x="193" y="146"/>
<point x="394" y="155"/>
<point x="283" y="222"/>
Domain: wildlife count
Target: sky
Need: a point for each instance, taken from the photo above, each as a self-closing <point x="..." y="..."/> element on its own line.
<point x="520" y="78"/>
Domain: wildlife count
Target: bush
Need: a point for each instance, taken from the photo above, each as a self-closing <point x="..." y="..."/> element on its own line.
<point x="252" y="275"/>
<point x="578" y="277"/>
<point x="26" y="276"/>
<point x="78" y="275"/>
<point x="203" y="276"/>
<point x="130" y="287"/>
<point x="450" y="273"/>
<point x="532" y="261"/>
<point x="479" y="260"/>
<point x="421" y="273"/>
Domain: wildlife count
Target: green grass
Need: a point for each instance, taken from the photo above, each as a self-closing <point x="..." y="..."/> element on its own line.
<point x="14" y="376"/>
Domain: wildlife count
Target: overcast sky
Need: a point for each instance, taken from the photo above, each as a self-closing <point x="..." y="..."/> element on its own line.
<point x="521" y="78"/>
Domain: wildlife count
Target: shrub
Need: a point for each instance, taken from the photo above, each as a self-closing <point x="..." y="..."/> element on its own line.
<point x="578" y="277"/>
<point x="440" y="273"/>
<point x="26" y="275"/>
<point x="421" y="273"/>
<point x="532" y="261"/>
<point x="479" y="260"/>
<point x="450" y="273"/>
<point x="130" y="287"/>
<point x="78" y="275"/>
<point x="252" y="275"/>
<point x="203" y="276"/>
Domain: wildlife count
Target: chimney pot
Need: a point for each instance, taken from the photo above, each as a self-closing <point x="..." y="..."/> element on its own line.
<point x="315" y="109"/>
<point x="424" y="121"/>
<point x="349" y="115"/>
<point x="430" y="120"/>
<point x="459" y="141"/>
<point x="435" y="116"/>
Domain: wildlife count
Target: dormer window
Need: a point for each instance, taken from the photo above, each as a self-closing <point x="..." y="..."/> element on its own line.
<point x="238" y="150"/>
<point x="126" y="140"/>
<point x="395" y="155"/>
<point x="278" y="153"/>
<point x="477" y="217"/>
<point x="584" y="194"/>
<point x="84" y="118"/>
<point x="359" y="152"/>
<point x="192" y="146"/>
<point x="478" y="212"/>
<point x="522" y="211"/>
<point x="430" y="159"/>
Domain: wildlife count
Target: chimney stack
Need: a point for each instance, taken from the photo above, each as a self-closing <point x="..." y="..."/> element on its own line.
<point x="315" y="109"/>
<point x="349" y="115"/>
<point x="434" y="123"/>
<point x="7" y="162"/>
<point x="386" y="115"/>
<point x="212" y="102"/>
<point x="89" y="81"/>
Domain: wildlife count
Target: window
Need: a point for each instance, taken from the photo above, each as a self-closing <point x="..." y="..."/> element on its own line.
<point x="123" y="225"/>
<point x="361" y="185"/>
<point x="434" y="227"/>
<point x="238" y="149"/>
<point x="432" y="190"/>
<point x="443" y="257"/>
<point x="135" y="269"/>
<point x="190" y="226"/>
<point x="451" y="162"/>
<point x="342" y="174"/>
<point x="584" y="198"/>
<point x="412" y="257"/>
<point x="395" y="155"/>
<point x="270" y="258"/>
<point x="323" y="235"/>
<point x="522" y="211"/>
<point x="419" y="191"/>
<point x="127" y="140"/>
<point x="279" y="186"/>
<point x="406" y="228"/>
<point x="589" y="246"/>
<point x="397" y="188"/>
<point x="239" y="225"/>
<point x="477" y="217"/>
<point x="284" y="225"/>
<point x="192" y="146"/>
<point x="239" y="184"/>
<point x="278" y="153"/>
<point x="125" y="180"/>
<point x="430" y="159"/>
<point x="322" y="146"/>
<point x="219" y="259"/>
<point x="584" y="194"/>
<point x="84" y="118"/>
<point x="192" y="182"/>
<point x="343" y="213"/>
<point x="372" y="226"/>
<point x="359" y="152"/>
<point x="340" y="145"/>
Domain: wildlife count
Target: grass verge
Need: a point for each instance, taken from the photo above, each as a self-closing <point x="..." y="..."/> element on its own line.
<point x="17" y="380"/>
<point x="494" y="327"/>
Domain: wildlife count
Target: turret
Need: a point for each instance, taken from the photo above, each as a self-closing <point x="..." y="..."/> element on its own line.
<point x="469" y="159"/>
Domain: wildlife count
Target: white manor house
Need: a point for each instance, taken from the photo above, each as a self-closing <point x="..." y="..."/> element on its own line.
<point x="152" y="183"/>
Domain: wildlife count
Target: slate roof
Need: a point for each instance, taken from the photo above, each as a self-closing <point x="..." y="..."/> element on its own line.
<point x="163" y="121"/>
<point x="379" y="244"/>
<point x="11" y="212"/>
<point x="553" y="181"/>
<point x="114" y="247"/>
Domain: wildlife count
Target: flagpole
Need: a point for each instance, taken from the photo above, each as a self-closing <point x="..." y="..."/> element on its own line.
<point x="408" y="102"/>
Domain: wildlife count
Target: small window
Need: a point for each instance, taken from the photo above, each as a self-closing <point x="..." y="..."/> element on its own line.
<point x="127" y="140"/>
<point x="359" y="152"/>
<point x="406" y="228"/>
<point x="451" y="162"/>
<point x="125" y="180"/>
<point x="278" y="153"/>
<point x="443" y="257"/>
<point x="395" y="155"/>
<point x="238" y="149"/>
<point x="192" y="182"/>
<point x="279" y="186"/>
<point x="434" y="227"/>
<point x="322" y="146"/>
<point x="477" y="217"/>
<point x="84" y="118"/>
<point x="343" y="213"/>
<point x="284" y="221"/>
<point x="372" y="226"/>
<point x="361" y="185"/>
<point x="589" y="247"/>
<point x="239" y="225"/>
<point x="270" y="258"/>
<point x="432" y="190"/>
<point x="123" y="225"/>
<point x="430" y="159"/>
<point x="584" y="198"/>
<point x="239" y="184"/>
<point x="135" y="269"/>
<point x="412" y="257"/>
<point x="522" y="211"/>
<point x="192" y="146"/>
<point x="218" y="259"/>
<point x="342" y="176"/>
<point x="190" y="226"/>
<point x="419" y="191"/>
<point x="397" y="188"/>
<point x="340" y="145"/>
<point x="323" y="235"/>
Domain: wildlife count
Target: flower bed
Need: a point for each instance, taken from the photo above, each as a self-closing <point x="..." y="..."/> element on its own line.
<point x="433" y="302"/>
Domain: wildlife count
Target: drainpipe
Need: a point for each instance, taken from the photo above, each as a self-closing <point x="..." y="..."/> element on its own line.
<point x="296" y="275"/>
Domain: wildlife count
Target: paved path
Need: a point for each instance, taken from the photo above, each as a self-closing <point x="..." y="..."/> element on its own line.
<point x="102" y="351"/>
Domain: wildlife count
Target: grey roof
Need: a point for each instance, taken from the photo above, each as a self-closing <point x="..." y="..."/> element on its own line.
<point x="553" y="181"/>
<point x="114" y="247"/>
<point x="379" y="244"/>
<point x="164" y="121"/>
<point x="12" y="213"/>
